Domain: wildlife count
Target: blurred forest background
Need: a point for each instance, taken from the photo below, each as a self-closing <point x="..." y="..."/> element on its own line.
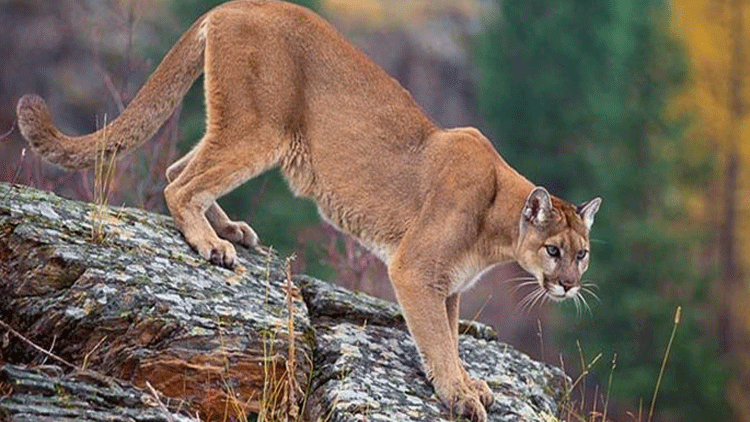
<point x="645" y="103"/>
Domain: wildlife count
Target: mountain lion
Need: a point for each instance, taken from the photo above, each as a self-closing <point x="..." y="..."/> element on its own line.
<point x="283" y="88"/>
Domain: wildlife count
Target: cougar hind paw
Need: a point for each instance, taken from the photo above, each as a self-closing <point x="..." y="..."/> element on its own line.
<point x="238" y="232"/>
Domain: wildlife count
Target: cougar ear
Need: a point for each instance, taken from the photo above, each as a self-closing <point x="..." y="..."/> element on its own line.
<point x="588" y="210"/>
<point x="538" y="208"/>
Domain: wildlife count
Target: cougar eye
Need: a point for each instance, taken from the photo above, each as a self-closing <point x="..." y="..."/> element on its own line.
<point x="581" y="254"/>
<point x="552" y="251"/>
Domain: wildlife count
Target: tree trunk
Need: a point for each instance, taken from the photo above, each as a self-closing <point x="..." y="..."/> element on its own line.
<point x="734" y="335"/>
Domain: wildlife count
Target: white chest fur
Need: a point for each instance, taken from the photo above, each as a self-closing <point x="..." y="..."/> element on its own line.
<point x="467" y="272"/>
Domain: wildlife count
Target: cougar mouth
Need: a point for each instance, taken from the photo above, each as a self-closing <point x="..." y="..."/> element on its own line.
<point x="549" y="288"/>
<point x="557" y="292"/>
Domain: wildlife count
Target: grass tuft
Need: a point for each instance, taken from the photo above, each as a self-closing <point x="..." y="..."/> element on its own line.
<point x="104" y="170"/>
<point x="282" y="394"/>
<point x="572" y="411"/>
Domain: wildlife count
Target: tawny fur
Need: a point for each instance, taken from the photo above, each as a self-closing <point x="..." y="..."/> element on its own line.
<point x="284" y="89"/>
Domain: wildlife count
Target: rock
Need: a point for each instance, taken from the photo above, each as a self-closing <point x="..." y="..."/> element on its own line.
<point x="367" y="367"/>
<point x="46" y="394"/>
<point x="116" y="292"/>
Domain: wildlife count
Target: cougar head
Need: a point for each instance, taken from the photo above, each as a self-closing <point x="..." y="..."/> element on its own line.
<point x="553" y="243"/>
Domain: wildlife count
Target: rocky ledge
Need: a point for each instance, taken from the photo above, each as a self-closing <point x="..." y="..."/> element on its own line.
<point x="107" y="315"/>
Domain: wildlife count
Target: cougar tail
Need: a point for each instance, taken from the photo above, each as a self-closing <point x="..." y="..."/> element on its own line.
<point x="145" y="114"/>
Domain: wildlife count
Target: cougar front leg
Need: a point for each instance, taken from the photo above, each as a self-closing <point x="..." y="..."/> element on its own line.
<point x="479" y="386"/>
<point x="238" y="232"/>
<point x="424" y="309"/>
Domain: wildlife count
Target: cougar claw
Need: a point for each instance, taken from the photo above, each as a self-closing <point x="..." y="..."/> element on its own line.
<point x="483" y="391"/>
<point x="470" y="407"/>
<point x="464" y="400"/>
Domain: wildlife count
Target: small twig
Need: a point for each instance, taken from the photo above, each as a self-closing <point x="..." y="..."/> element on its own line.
<point x="291" y="368"/>
<point x="677" y="315"/>
<point x="88" y="355"/>
<point x="609" y="386"/>
<point x="161" y="406"/>
<point x="106" y="77"/>
<point x="111" y="87"/>
<point x="8" y="133"/>
<point x="479" y="312"/>
<point x="540" y="334"/>
<point x="584" y="370"/>
<point x="593" y="409"/>
<point x="18" y="172"/>
<point x="640" y="409"/>
<point x="54" y="340"/>
<point x="566" y="404"/>
<point x="39" y="349"/>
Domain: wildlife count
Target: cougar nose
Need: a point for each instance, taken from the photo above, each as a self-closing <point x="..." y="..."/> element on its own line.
<point x="567" y="284"/>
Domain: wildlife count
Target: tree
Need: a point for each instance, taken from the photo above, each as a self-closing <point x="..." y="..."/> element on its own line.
<point x="576" y="93"/>
<point x="715" y="33"/>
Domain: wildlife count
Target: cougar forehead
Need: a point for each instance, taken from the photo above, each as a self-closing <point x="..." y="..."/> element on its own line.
<point x="569" y="220"/>
<point x="566" y="227"/>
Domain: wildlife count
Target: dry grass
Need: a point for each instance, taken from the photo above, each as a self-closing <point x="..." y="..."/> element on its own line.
<point x="576" y="412"/>
<point x="282" y="398"/>
<point x="104" y="172"/>
<point x="677" y="316"/>
<point x="282" y="394"/>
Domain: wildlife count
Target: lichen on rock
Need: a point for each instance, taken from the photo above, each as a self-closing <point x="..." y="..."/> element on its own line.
<point x="367" y="367"/>
<point x="139" y="305"/>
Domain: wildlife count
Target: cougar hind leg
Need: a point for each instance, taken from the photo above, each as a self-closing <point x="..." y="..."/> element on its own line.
<point x="241" y="139"/>
<point x="212" y="170"/>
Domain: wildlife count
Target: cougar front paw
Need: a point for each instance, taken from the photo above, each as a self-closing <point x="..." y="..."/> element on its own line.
<point x="219" y="252"/>
<point x="463" y="401"/>
<point x="238" y="232"/>
<point x="481" y="388"/>
<point x="470" y="407"/>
